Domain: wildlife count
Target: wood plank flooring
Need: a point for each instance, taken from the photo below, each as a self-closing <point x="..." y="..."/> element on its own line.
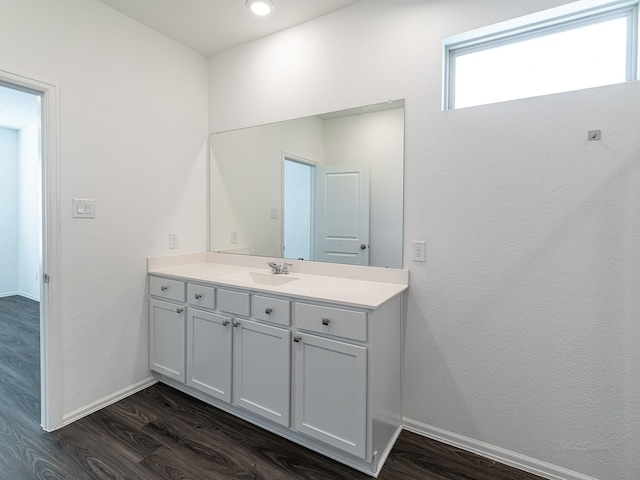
<point x="160" y="433"/>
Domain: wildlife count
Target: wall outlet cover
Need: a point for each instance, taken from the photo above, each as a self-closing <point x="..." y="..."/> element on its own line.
<point x="419" y="248"/>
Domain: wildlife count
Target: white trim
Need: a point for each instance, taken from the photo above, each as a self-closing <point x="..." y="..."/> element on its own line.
<point x="29" y="296"/>
<point x="9" y="294"/>
<point x="108" y="400"/>
<point x="50" y="325"/>
<point x="502" y="455"/>
<point x="534" y="21"/>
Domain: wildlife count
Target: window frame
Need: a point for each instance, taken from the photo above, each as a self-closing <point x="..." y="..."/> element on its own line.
<point x="547" y="22"/>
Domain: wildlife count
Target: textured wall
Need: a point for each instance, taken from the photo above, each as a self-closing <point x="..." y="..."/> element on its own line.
<point x="522" y="326"/>
<point x="133" y="115"/>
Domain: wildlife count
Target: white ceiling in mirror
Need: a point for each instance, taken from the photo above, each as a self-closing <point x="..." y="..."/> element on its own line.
<point x="328" y="187"/>
<point x="211" y="26"/>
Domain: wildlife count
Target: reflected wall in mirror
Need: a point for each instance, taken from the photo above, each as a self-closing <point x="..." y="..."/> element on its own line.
<point x="324" y="188"/>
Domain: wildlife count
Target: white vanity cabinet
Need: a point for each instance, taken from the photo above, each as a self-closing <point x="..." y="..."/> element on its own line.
<point x="261" y="370"/>
<point x="167" y="328"/>
<point x="331" y="376"/>
<point x="209" y="341"/>
<point x="347" y="365"/>
<point x="326" y="375"/>
<point x="330" y="392"/>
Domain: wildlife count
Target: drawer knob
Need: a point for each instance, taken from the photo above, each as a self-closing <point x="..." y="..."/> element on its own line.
<point x="297" y="338"/>
<point x="198" y="296"/>
<point x="164" y="288"/>
<point x="236" y="323"/>
<point x="325" y="321"/>
<point x="225" y="323"/>
<point x="179" y="310"/>
<point x="268" y="311"/>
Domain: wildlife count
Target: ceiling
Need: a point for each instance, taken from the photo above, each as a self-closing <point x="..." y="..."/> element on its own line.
<point x="211" y="26"/>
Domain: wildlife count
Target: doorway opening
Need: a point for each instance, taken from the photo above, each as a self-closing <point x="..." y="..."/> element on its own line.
<point x="20" y="246"/>
<point x="298" y="215"/>
<point x="29" y="227"/>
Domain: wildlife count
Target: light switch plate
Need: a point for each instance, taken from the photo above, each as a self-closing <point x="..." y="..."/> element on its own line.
<point x="83" y="208"/>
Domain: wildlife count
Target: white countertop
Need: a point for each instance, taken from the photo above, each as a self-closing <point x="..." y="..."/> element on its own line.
<point x="318" y="287"/>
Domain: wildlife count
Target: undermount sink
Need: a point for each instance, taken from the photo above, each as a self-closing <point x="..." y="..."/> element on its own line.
<point x="261" y="278"/>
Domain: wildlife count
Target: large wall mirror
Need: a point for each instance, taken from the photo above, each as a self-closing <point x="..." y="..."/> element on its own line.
<point x="324" y="188"/>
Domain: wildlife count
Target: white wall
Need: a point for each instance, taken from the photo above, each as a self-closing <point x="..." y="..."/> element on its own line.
<point x="9" y="284"/>
<point x="29" y="201"/>
<point x="522" y="327"/>
<point x="133" y="128"/>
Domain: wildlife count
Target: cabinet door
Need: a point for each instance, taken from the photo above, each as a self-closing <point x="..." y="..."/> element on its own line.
<point x="167" y="335"/>
<point x="209" y="353"/>
<point x="261" y="370"/>
<point x="330" y="392"/>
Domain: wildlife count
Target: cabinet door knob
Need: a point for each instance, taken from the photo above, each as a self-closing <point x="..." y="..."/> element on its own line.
<point x="297" y="338"/>
<point x="164" y="288"/>
<point x="225" y="323"/>
<point x="325" y="321"/>
<point x="179" y="310"/>
<point x="198" y="296"/>
<point x="236" y="323"/>
<point x="268" y="311"/>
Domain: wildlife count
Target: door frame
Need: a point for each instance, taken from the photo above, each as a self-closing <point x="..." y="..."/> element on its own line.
<point x="50" y="323"/>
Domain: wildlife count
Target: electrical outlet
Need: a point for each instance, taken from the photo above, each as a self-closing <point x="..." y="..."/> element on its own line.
<point x="419" y="251"/>
<point x="234" y="236"/>
<point x="173" y="240"/>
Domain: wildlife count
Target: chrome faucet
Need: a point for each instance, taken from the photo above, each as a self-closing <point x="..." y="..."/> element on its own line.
<point x="279" y="269"/>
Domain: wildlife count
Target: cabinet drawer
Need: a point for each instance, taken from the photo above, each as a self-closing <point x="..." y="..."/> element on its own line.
<point x="331" y="321"/>
<point x="201" y="296"/>
<point x="271" y="309"/>
<point x="167" y="289"/>
<point x="236" y="303"/>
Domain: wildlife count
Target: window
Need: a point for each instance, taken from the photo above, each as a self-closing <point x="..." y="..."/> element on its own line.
<point x="580" y="45"/>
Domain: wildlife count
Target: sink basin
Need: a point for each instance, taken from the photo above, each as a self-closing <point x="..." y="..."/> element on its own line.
<point x="261" y="278"/>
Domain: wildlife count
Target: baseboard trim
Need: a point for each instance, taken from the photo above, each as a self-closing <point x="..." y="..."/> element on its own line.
<point x="106" y="401"/>
<point x="29" y="296"/>
<point x="492" y="452"/>
<point x="9" y="294"/>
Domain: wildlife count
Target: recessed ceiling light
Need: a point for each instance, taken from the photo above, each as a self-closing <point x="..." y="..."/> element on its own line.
<point x="260" y="7"/>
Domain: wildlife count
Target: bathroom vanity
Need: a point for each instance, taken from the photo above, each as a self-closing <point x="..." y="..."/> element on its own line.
<point x="314" y="356"/>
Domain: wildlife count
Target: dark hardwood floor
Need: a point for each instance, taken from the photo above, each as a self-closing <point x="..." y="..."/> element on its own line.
<point x="160" y="433"/>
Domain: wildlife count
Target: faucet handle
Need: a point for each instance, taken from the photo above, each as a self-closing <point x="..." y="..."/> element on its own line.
<point x="275" y="268"/>
<point x="285" y="268"/>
